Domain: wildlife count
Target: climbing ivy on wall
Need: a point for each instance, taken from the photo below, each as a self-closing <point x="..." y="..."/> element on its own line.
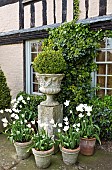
<point x="78" y="44"/>
<point x="76" y="9"/>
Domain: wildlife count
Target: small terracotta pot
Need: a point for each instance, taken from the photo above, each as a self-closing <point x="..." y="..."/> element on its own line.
<point x="22" y="149"/>
<point x="69" y="155"/>
<point x="87" y="146"/>
<point x="43" y="158"/>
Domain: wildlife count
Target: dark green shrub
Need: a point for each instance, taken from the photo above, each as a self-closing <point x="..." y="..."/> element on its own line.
<point x="5" y="97"/>
<point x="49" y="62"/>
<point x="102" y="115"/>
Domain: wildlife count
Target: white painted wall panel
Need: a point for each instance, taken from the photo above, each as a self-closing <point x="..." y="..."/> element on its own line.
<point x="27" y="16"/>
<point x="11" y="62"/>
<point x="9" y="17"/>
<point x="38" y="14"/>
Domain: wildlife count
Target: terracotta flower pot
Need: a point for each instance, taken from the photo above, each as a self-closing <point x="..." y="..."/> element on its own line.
<point x="22" y="149"/>
<point x="69" y="155"/>
<point x="43" y="158"/>
<point x="87" y="146"/>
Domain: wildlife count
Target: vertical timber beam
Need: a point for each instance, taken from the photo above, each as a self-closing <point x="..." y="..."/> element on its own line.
<point x="44" y="12"/>
<point x="54" y="11"/>
<point x="32" y="9"/>
<point x="87" y="7"/>
<point x="21" y="15"/>
<point x="102" y="7"/>
<point x="64" y="10"/>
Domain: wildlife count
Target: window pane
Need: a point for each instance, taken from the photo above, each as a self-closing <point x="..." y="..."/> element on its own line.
<point x="101" y="69"/>
<point x="109" y="92"/>
<point x="33" y="55"/>
<point x="109" y="69"/>
<point x="101" y="81"/>
<point x="109" y="43"/>
<point x="34" y="78"/>
<point x="109" y="82"/>
<point x="102" y="45"/>
<point x="35" y="87"/>
<point x="33" y="47"/>
<point x="101" y="56"/>
<point x="100" y="92"/>
<point x="109" y="55"/>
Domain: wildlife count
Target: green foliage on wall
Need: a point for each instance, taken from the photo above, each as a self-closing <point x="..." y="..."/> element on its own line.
<point x="5" y="97"/>
<point x="78" y="44"/>
<point x="76" y="10"/>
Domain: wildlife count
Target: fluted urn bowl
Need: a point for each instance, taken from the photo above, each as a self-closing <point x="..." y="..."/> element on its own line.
<point x="49" y="85"/>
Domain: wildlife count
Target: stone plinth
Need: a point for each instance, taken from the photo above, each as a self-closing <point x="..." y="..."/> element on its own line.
<point x="46" y="113"/>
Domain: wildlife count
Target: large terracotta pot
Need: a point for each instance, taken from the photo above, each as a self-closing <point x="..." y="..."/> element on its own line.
<point x="69" y="155"/>
<point x="43" y="158"/>
<point x="49" y="85"/>
<point x="87" y="146"/>
<point x="22" y="149"/>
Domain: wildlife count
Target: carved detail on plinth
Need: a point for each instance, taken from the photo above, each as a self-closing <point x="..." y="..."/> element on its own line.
<point x="49" y="85"/>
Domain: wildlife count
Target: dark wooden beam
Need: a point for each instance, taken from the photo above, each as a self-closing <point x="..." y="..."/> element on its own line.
<point x="102" y="7"/>
<point x="64" y="10"/>
<point x="19" y="36"/>
<point x="54" y="4"/>
<point x="100" y="22"/>
<point x="26" y="2"/>
<point x="44" y="12"/>
<point x="21" y="15"/>
<point x="87" y="7"/>
<point x="7" y="2"/>
<point x="32" y="9"/>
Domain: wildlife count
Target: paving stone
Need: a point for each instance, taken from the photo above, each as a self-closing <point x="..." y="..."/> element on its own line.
<point x="101" y="160"/>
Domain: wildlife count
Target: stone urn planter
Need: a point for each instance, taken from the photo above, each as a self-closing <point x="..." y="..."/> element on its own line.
<point x="69" y="155"/>
<point x="22" y="149"/>
<point x="87" y="146"/>
<point x="43" y="158"/>
<point x="49" y="85"/>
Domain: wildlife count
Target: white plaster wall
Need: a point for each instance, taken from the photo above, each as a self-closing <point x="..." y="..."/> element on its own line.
<point x="11" y="62"/>
<point x="82" y="14"/>
<point x="27" y="16"/>
<point x="109" y="7"/>
<point x="9" y="17"/>
<point x="69" y="10"/>
<point x="38" y="14"/>
<point x="58" y="11"/>
<point x="50" y="12"/>
<point x="93" y="8"/>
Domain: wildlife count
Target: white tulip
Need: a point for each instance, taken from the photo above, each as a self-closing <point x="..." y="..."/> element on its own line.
<point x="52" y="121"/>
<point x="66" y="128"/>
<point x="66" y="119"/>
<point x="60" y="125"/>
<point x="81" y="115"/>
<point x="67" y="103"/>
<point x="4" y="120"/>
<point x="78" y="124"/>
<point x="1" y="111"/>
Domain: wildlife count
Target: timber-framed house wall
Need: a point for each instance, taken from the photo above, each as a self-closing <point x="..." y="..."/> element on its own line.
<point x="23" y="25"/>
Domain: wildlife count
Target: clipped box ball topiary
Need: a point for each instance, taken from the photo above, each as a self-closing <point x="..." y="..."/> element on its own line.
<point x="5" y="97"/>
<point x="49" y="62"/>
